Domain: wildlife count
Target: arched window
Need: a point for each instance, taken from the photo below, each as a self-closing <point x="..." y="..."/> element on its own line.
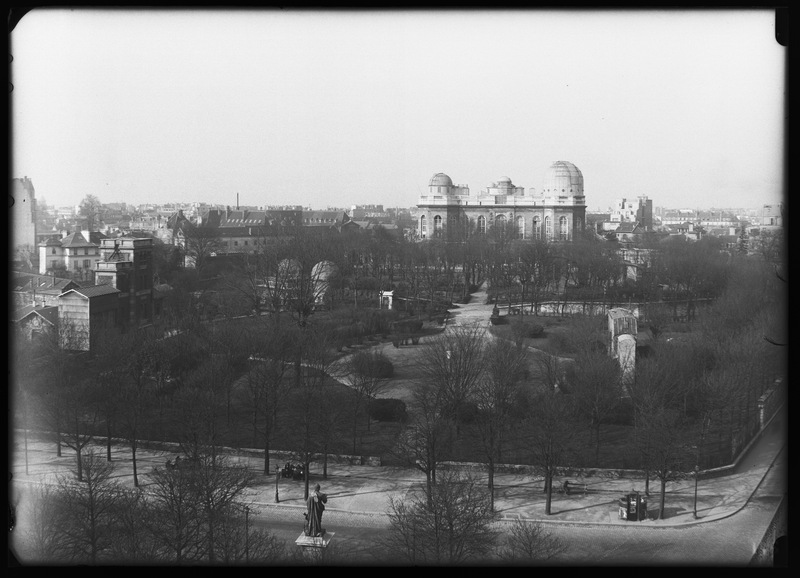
<point x="548" y="229"/>
<point x="537" y="227"/>
<point x="437" y="224"/>
<point x="500" y="223"/>
<point x="423" y="227"/>
<point x="563" y="229"/>
<point x="482" y="224"/>
<point x="521" y="227"/>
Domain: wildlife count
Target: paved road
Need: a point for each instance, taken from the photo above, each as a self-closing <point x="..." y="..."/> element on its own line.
<point x="735" y="509"/>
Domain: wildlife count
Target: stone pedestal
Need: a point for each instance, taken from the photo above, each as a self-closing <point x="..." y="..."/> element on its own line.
<point x="313" y="548"/>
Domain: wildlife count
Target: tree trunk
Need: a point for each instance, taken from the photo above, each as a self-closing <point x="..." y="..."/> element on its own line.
<point x="135" y="470"/>
<point x="663" y="498"/>
<point x="597" y="444"/>
<point x="491" y="484"/>
<point x="548" y="484"/>
<point x="266" y="449"/>
<point x="108" y="440"/>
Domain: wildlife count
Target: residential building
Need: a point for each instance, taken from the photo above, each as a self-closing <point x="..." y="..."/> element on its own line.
<point x="23" y="220"/>
<point x="84" y="314"/>
<point x="127" y="265"/>
<point x="30" y="289"/>
<point x="639" y="210"/>
<point x="772" y="215"/>
<point x="76" y="254"/>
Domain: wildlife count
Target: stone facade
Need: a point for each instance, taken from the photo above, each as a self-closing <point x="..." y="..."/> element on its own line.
<point x="556" y="212"/>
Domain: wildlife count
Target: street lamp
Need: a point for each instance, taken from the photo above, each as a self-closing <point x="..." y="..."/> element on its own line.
<point x="247" y="534"/>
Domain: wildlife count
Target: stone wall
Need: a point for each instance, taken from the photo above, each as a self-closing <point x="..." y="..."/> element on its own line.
<point x="765" y="552"/>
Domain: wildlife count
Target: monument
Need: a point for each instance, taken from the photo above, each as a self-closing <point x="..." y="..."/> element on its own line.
<point x="314" y="537"/>
<point x="623" y="327"/>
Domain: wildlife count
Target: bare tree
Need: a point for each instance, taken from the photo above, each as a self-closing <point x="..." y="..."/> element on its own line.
<point x="135" y="393"/>
<point x="267" y="382"/>
<point x="427" y="440"/>
<point x="368" y="373"/>
<point x="200" y="243"/>
<point x="450" y="523"/>
<point x="453" y="362"/>
<point x="88" y="504"/>
<point x="529" y="542"/>
<point x="548" y="432"/>
<point x="311" y="402"/>
<point x="91" y="210"/>
<point x="595" y="384"/>
<point x="131" y="541"/>
<point x="669" y="449"/>
<point x="495" y="395"/>
<point x="80" y="413"/>
<point x="175" y="518"/>
<point x="42" y="537"/>
<point x="219" y="487"/>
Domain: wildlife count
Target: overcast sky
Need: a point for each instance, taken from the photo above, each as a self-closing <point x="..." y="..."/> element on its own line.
<point x="339" y="108"/>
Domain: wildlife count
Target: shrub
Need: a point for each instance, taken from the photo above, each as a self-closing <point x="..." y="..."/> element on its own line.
<point x="524" y="328"/>
<point x="372" y="364"/>
<point x="388" y="409"/>
<point x="407" y="326"/>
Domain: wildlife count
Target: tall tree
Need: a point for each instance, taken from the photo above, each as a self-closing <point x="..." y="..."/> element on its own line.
<point x="495" y="394"/>
<point x="91" y="210"/>
<point x="453" y="362"/>
<point x="220" y="488"/>
<point x="595" y="383"/>
<point x="669" y="449"/>
<point x="427" y="440"/>
<point x="548" y="433"/>
<point x="199" y="244"/>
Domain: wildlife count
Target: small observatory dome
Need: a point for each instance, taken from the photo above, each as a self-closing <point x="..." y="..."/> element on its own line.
<point x="440" y="180"/>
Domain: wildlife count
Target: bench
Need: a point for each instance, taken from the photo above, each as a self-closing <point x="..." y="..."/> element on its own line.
<point x="574" y="487"/>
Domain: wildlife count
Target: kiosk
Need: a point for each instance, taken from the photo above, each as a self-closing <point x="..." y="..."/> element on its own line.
<point x="633" y="506"/>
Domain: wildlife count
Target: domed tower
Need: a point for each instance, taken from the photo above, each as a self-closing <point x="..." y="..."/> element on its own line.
<point x="563" y="179"/>
<point x="440" y="184"/>
<point x="563" y="191"/>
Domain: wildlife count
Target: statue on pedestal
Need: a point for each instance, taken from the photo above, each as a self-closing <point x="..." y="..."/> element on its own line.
<point x="316" y="505"/>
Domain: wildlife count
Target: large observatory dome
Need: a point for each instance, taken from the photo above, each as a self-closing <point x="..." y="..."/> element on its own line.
<point x="563" y="178"/>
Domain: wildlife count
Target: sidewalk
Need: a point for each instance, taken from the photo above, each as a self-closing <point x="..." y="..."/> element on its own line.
<point x="359" y="495"/>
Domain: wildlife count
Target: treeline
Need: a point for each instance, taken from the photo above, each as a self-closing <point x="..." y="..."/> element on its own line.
<point x="691" y="402"/>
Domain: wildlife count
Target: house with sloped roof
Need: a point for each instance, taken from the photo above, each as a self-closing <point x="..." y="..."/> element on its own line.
<point x="627" y="232"/>
<point x="38" y="290"/>
<point x="74" y="253"/>
<point x="35" y="322"/>
<point x="687" y="229"/>
<point x="85" y="313"/>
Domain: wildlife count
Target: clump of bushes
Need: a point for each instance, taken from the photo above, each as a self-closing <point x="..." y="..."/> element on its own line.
<point x="388" y="409"/>
<point x="407" y="326"/>
<point x="524" y="328"/>
<point x="373" y="364"/>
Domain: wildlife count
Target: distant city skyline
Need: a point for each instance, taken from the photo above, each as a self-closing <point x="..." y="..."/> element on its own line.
<point x="344" y="108"/>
